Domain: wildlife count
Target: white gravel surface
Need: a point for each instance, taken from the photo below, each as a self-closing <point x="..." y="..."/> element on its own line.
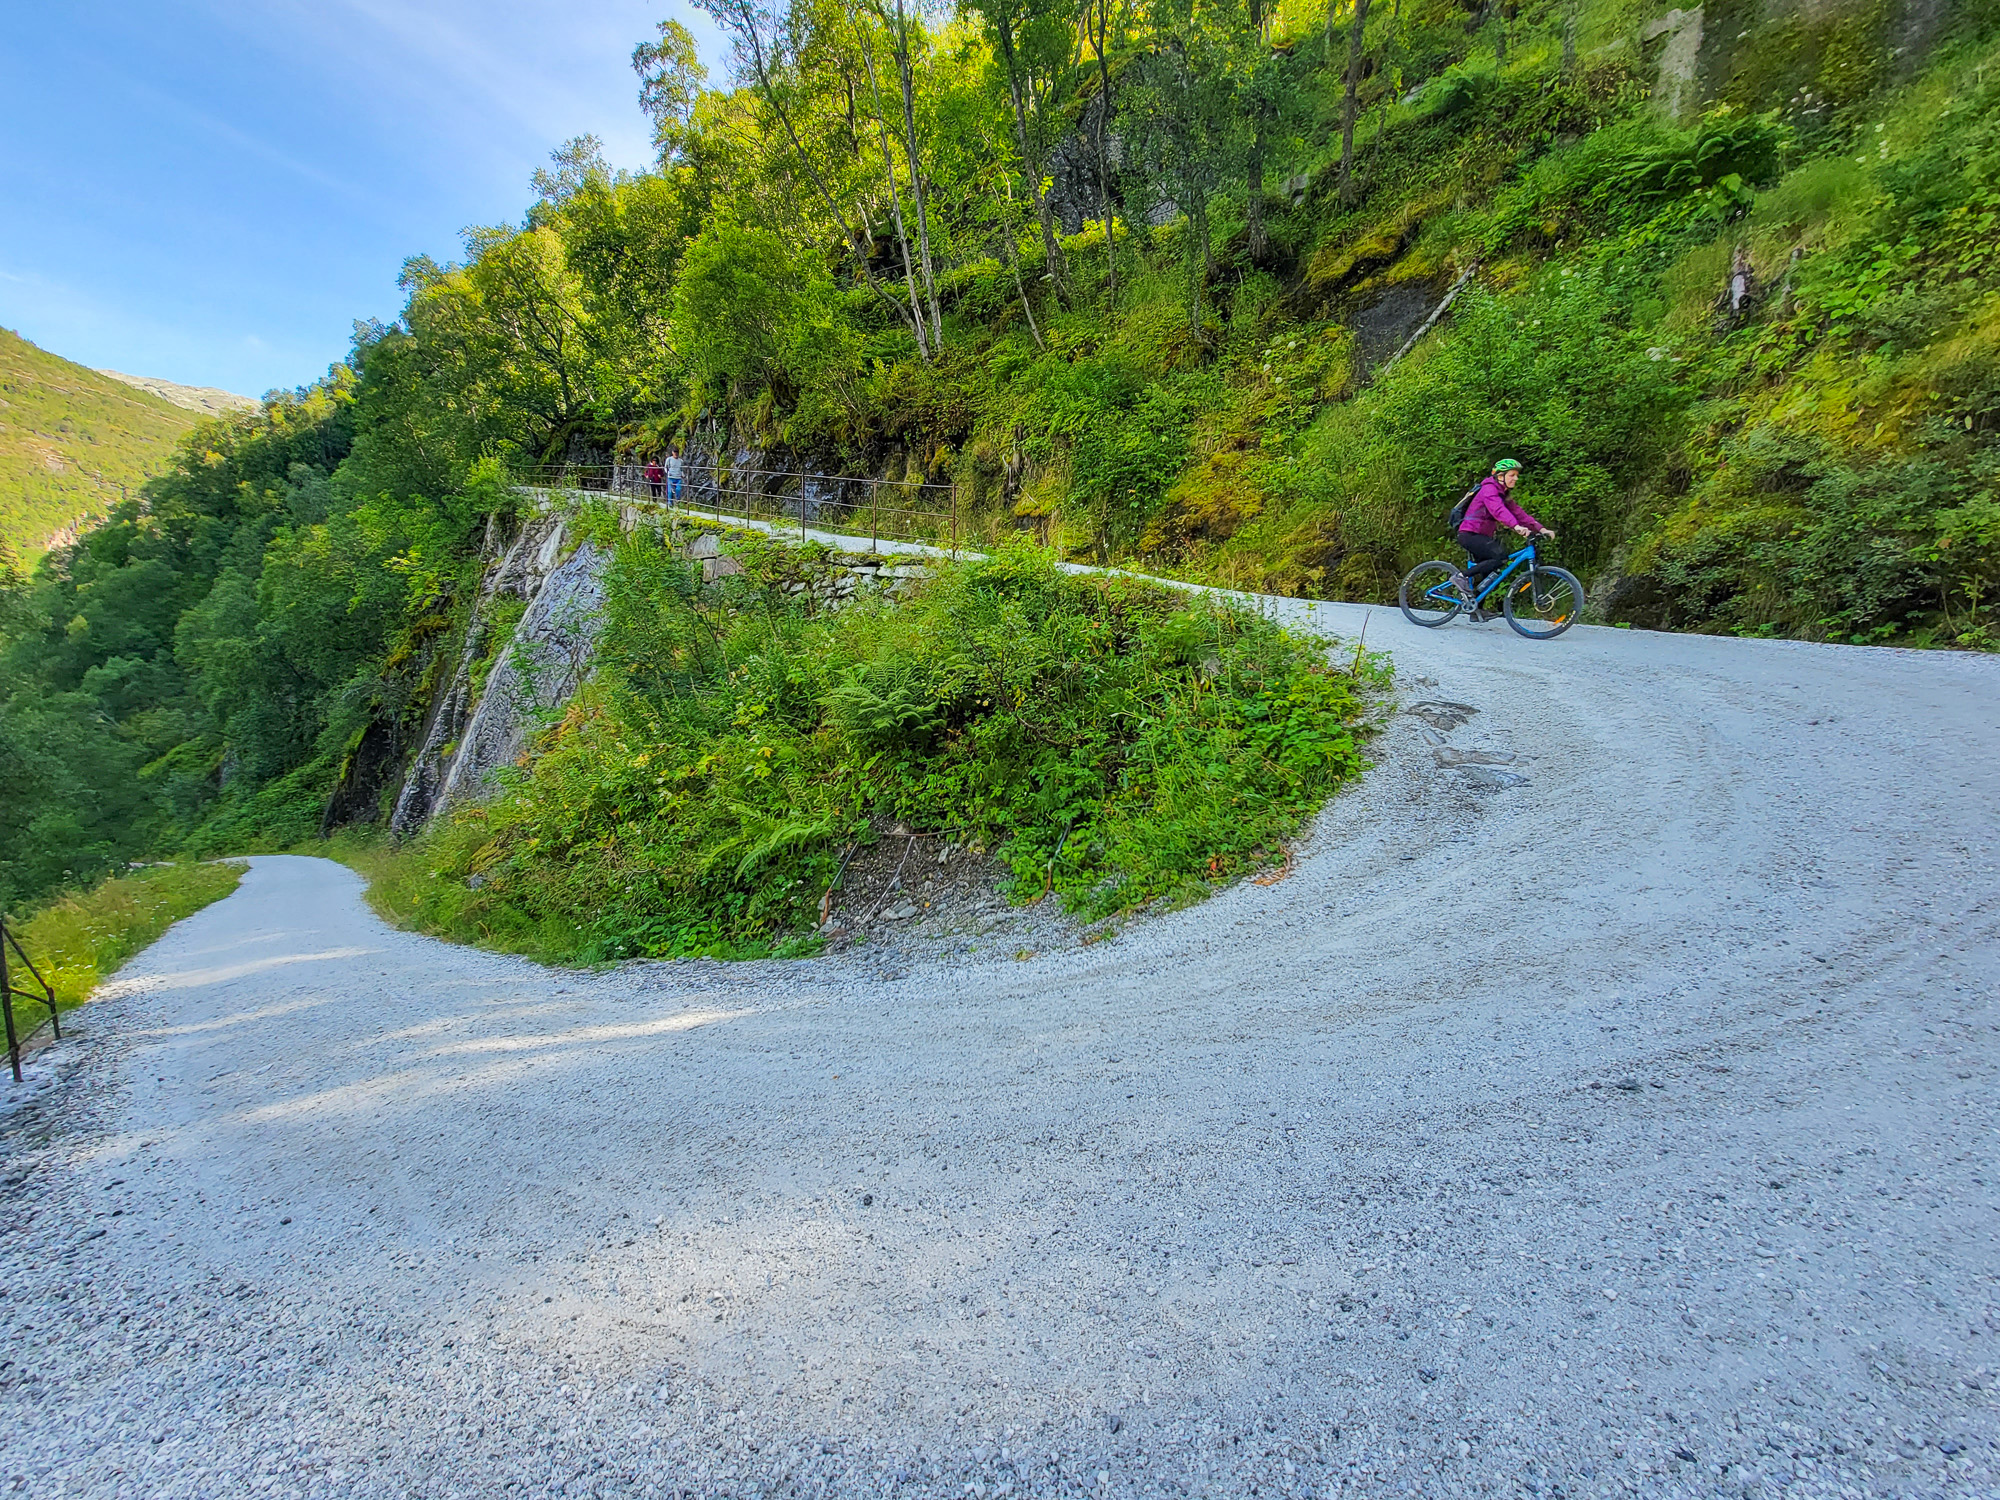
<point x="1614" y="1118"/>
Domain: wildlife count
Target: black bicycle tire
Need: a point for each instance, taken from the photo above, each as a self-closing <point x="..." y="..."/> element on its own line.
<point x="1575" y="587"/>
<point x="1403" y="596"/>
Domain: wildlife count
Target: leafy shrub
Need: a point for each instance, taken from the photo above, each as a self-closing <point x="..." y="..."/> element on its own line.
<point x="1556" y="377"/>
<point x="1617" y="178"/>
<point x="1460" y="89"/>
<point x="883" y="708"/>
<point x="1808" y="542"/>
<point x="751" y="316"/>
<point x="1844" y="470"/>
<point x="1672" y="164"/>
<point x="1111" y="740"/>
<point x="1934" y="223"/>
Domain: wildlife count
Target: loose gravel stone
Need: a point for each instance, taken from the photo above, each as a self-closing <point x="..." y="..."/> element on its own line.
<point x="1326" y="1186"/>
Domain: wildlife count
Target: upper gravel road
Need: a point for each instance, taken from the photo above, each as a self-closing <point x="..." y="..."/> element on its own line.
<point x="1615" y="1118"/>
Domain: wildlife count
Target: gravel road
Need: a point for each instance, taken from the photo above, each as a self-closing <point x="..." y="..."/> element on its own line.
<point x="1605" y="1104"/>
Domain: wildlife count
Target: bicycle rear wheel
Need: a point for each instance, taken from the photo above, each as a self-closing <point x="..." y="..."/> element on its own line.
<point x="1429" y="595"/>
<point x="1543" y="602"/>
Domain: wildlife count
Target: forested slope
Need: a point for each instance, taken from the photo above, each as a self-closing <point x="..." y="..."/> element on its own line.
<point x="1133" y="278"/>
<point x="73" y="442"/>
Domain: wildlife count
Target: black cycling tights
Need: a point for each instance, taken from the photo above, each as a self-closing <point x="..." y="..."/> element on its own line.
<point x="1486" y="552"/>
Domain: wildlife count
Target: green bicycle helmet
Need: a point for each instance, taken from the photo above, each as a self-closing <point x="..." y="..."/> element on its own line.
<point x="1506" y="463"/>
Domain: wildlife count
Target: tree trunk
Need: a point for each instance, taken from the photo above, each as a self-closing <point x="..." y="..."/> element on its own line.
<point x="1199" y="259"/>
<point x="906" y="77"/>
<point x="1098" y="27"/>
<point x="1431" y="322"/>
<point x="903" y="244"/>
<point x="736" y="16"/>
<point x="1348" y="108"/>
<point x="1012" y="252"/>
<point x="924" y="342"/>
<point x="1031" y="161"/>
<point x="1253" y="192"/>
<point x="1260" y="239"/>
<point x="1389" y="52"/>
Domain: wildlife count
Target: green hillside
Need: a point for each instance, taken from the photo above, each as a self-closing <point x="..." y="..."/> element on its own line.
<point x="70" y="438"/>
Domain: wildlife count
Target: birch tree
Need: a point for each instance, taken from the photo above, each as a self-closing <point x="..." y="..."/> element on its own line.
<point x="761" y="40"/>
<point x="1033" y="43"/>
<point x="1351" y="94"/>
<point x="1105" y="22"/>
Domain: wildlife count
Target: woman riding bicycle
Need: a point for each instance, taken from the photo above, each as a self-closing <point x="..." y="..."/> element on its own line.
<point x="1478" y="533"/>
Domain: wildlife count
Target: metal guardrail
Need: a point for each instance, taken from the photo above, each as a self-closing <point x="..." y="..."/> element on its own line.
<point x="8" y="990"/>
<point x="879" y="509"/>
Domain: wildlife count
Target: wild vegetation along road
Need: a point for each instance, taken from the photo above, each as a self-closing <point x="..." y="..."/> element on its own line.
<point x="1619" y="1116"/>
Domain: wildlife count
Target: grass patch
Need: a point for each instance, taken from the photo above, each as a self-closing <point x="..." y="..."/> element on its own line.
<point x="1115" y="743"/>
<point x="80" y="940"/>
<point x="373" y="855"/>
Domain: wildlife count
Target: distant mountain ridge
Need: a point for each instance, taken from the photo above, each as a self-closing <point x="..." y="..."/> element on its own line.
<point x="73" y="443"/>
<point x="208" y="400"/>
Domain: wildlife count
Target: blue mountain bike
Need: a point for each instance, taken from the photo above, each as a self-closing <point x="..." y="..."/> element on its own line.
<point x="1540" y="600"/>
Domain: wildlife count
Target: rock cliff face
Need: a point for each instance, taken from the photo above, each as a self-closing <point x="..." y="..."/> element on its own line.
<point x="545" y="662"/>
<point x="472" y="732"/>
<point x="481" y="721"/>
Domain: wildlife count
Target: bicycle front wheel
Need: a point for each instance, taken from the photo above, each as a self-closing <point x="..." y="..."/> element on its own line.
<point x="1430" y="595"/>
<point x="1543" y="602"/>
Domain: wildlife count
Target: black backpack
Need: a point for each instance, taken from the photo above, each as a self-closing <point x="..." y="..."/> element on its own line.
<point x="1457" y="517"/>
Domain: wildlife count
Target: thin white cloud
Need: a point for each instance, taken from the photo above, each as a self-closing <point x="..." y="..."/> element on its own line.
<point x="252" y="145"/>
<point x="297" y="151"/>
<point x="500" y="82"/>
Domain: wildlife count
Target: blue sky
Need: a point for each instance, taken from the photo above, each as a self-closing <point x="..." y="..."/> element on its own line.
<point x="211" y="192"/>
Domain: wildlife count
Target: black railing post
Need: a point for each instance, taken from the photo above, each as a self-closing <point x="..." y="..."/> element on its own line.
<point x="8" y="991"/>
<point x="7" y="1005"/>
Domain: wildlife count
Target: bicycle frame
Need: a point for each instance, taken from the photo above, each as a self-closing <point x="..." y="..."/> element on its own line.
<point x="1513" y="562"/>
<point x="1492" y="583"/>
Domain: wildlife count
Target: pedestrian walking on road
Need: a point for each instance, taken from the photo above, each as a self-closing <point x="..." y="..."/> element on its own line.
<point x="655" y="476"/>
<point x="674" y="474"/>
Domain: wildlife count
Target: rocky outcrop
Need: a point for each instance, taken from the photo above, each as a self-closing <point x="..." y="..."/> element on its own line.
<point x="546" y="661"/>
<point x="480" y="722"/>
<point x="1677" y="36"/>
<point x="471" y="732"/>
<point x="206" y="399"/>
<point x="1074" y="194"/>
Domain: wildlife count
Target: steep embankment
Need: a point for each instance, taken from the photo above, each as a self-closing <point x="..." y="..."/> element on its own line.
<point x="752" y="717"/>
<point x="1728" y="286"/>
<point x="74" y="440"/>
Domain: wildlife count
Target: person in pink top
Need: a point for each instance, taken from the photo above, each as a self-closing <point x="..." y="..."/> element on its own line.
<point x="1492" y="508"/>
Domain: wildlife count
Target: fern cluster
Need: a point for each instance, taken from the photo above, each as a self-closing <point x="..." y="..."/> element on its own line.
<point x="1110" y="740"/>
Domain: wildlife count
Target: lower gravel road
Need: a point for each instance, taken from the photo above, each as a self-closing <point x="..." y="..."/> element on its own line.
<point x="1604" y="1104"/>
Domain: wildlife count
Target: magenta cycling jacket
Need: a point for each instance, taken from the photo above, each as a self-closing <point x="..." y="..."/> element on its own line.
<point x="1490" y="511"/>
